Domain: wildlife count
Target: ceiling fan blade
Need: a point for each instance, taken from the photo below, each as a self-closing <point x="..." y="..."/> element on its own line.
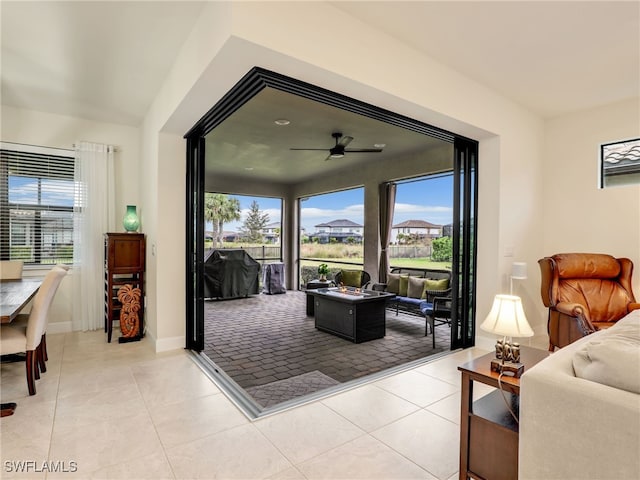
<point x="310" y="149"/>
<point x="363" y="150"/>
<point x="344" y="141"/>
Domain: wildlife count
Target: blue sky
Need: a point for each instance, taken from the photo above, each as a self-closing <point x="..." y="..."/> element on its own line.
<point x="24" y="190"/>
<point x="430" y="200"/>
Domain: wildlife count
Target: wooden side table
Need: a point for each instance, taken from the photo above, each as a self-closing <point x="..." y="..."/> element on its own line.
<point x="488" y="431"/>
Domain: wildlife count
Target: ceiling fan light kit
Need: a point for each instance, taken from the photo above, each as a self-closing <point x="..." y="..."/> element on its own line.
<point x="339" y="149"/>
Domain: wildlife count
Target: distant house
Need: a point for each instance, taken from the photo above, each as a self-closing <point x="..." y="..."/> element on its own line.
<point x="342" y="230"/>
<point x="420" y="228"/>
<point x="271" y="232"/>
<point x="228" y="236"/>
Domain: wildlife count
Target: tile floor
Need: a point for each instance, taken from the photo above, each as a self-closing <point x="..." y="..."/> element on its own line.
<point x="122" y="411"/>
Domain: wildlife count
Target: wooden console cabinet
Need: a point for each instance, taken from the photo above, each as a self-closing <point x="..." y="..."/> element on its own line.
<point x="124" y="264"/>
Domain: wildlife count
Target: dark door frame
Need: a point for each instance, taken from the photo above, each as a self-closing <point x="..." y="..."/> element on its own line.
<point x="465" y="195"/>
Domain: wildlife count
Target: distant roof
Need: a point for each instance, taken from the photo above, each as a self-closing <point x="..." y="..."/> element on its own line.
<point x="416" y="224"/>
<point x="343" y="222"/>
<point x="273" y="225"/>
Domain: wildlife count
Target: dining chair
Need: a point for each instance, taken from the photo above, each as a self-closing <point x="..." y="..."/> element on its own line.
<point x="22" y="319"/>
<point x="16" y="339"/>
<point x="11" y="269"/>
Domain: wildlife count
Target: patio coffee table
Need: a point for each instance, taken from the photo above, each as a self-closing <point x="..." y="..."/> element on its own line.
<point x="354" y="314"/>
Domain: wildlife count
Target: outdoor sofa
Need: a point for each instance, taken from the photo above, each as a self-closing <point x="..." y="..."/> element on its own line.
<point x="422" y="292"/>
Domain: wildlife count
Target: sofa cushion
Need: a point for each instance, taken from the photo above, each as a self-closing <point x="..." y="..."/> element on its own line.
<point x="404" y="285"/>
<point x="352" y="278"/>
<point x="613" y="358"/>
<point x="415" y="288"/>
<point x="393" y="283"/>
<point x="426" y="308"/>
<point x="409" y="301"/>
<point x="436" y="283"/>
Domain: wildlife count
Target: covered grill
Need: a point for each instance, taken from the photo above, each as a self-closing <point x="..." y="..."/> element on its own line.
<point x="230" y="274"/>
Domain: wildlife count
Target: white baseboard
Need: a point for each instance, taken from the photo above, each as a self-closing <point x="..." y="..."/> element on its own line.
<point x="59" y="327"/>
<point x="167" y="344"/>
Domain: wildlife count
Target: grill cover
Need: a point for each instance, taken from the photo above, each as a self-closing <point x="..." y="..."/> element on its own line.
<point x="273" y="281"/>
<point x="230" y="274"/>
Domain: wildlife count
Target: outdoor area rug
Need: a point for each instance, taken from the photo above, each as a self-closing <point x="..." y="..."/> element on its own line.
<point x="282" y="390"/>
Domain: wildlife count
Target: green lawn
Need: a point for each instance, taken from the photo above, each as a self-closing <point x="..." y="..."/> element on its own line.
<point x="335" y="254"/>
<point x="395" y="262"/>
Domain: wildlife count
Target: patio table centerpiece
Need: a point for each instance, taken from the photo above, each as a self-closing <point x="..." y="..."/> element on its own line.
<point x="323" y="270"/>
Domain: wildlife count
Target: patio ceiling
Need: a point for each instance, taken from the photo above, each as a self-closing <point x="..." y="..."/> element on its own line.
<point x="250" y="145"/>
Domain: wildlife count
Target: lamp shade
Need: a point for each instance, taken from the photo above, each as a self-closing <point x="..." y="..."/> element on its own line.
<point x="507" y="318"/>
<point x="519" y="270"/>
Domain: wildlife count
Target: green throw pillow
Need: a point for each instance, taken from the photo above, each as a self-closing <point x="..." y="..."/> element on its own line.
<point x="404" y="285"/>
<point x="352" y="278"/>
<point x="393" y="283"/>
<point x="416" y="287"/>
<point x="435" y="284"/>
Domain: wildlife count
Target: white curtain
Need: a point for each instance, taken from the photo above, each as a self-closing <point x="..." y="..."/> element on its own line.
<point x="94" y="216"/>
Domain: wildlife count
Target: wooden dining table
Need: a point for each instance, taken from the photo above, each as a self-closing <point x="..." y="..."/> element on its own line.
<point x="15" y="295"/>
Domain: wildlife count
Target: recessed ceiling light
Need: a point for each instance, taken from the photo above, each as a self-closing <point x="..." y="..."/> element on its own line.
<point x="282" y="121"/>
<point x="379" y="145"/>
<point x="248" y="168"/>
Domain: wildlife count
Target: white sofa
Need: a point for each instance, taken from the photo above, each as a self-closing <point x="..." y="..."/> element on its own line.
<point x="580" y="409"/>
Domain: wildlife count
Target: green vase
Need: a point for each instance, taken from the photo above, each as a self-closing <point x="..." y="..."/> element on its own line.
<point x="130" y="221"/>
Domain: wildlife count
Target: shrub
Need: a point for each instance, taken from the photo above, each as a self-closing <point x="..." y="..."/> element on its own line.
<point x="442" y="249"/>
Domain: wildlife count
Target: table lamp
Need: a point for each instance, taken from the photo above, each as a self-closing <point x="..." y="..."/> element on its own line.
<point x="507" y="319"/>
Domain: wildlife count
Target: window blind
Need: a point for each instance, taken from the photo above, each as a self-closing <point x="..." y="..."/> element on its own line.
<point x="36" y="202"/>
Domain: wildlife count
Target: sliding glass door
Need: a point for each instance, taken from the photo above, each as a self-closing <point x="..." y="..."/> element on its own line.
<point x="245" y="131"/>
<point x="464" y="243"/>
<point x="195" y="232"/>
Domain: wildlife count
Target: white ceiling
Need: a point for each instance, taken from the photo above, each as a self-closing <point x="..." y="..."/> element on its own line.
<point x="103" y="61"/>
<point x="552" y="57"/>
<point x="106" y="60"/>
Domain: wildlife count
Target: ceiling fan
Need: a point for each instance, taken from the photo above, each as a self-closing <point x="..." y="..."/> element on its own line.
<point x="339" y="149"/>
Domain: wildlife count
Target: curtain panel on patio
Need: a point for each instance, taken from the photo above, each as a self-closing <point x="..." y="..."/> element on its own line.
<point x="94" y="215"/>
<point x="387" y="198"/>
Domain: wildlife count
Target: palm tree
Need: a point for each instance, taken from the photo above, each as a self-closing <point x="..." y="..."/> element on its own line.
<point x="219" y="208"/>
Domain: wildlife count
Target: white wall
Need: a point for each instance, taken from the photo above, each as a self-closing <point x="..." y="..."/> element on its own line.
<point x="579" y="216"/>
<point x="233" y="38"/>
<point x="49" y="130"/>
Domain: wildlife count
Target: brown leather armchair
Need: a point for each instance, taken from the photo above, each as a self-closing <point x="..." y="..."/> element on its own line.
<point x="584" y="292"/>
